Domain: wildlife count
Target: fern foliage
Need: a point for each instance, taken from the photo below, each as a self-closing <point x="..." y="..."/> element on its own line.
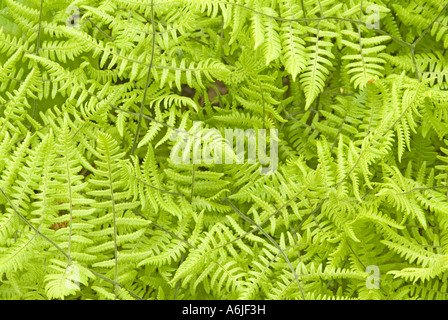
<point x="93" y="206"/>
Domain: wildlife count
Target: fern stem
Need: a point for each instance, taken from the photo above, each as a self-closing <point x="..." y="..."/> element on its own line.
<point x="134" y="144"/>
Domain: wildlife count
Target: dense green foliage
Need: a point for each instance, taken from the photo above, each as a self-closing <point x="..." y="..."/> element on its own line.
<point x="92" y="207"/>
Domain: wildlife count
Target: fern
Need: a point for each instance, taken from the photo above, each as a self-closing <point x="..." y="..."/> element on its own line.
<point x="93" y="110"/>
